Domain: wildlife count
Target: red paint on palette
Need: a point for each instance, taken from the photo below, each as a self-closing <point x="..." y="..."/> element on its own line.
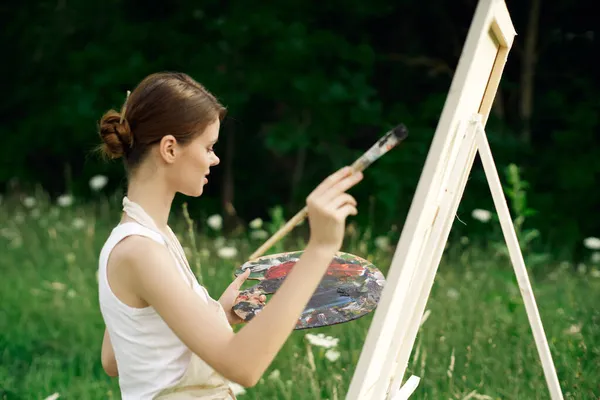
<point x="280" y="270"/>
<point x="337" y="269"/>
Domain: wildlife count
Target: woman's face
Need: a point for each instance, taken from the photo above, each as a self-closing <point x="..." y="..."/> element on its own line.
<point x="190" y="164"/>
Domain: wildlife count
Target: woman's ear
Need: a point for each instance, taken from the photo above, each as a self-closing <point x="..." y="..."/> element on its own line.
<point x="168" y="148"/>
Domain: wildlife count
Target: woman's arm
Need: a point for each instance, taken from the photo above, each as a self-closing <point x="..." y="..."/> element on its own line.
<point x="244" y="356"/>
<point x="109" y="362"/>
<point x="241" y="357"/>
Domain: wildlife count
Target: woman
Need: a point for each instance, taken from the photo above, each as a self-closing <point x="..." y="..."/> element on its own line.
<point x="165" y="337"/>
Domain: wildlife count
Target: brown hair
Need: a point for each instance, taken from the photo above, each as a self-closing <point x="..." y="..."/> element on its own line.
<point x="162" y="104"/>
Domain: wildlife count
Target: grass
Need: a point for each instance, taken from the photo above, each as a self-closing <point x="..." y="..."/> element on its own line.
<point x="475" y="344"/>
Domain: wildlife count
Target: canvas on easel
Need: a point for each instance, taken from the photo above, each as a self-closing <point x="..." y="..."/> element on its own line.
<point x="459" y="136"/>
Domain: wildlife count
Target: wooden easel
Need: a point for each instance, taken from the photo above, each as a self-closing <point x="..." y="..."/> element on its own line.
<point x="459" y="136"/>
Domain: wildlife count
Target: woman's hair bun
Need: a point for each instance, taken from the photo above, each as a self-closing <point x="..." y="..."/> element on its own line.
<point x="115" y="134"/>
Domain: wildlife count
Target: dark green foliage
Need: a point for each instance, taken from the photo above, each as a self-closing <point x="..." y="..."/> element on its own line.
<point x="309" y="88"/>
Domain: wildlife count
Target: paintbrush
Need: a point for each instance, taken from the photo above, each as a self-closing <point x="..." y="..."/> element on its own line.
<point x="383" y="145"/>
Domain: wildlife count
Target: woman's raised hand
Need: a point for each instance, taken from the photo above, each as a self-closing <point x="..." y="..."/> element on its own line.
<point x="328" y="207"/>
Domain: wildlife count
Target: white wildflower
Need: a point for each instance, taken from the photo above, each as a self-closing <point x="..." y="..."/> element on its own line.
<point x="29" y="202"/>
<point x="64" y="200"/>
<point x="452" y="293"/>
<point x="97" y="182"/>
<point x="481" y="215"/>
<point x="259" y="234"/>
<point x="382" y="242"/>
<point x="256" y="223"/>
<point x="332" y="355"/>
<point x="215" y="222"/>
<point x="227" y="252"/>
<point x="53" y="396"/>
<point x="78" y="223"/>
<point x="595" y="257"/>
<point x="594" y="273"/>
<point x="573" y="329"/>
<point x="320" y="340"/>
<point x="58" y="286"/>
<point x="237" y="389"/>
<point x="592" y="243"/>
<point x="274" y="375"/>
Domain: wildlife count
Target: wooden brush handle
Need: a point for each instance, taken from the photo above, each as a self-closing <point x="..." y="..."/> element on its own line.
<point x="291" y="224"/>
<point x="383" y="145"/>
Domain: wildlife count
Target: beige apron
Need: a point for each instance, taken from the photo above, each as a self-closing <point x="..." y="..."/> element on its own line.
<point x="200" y="381"/>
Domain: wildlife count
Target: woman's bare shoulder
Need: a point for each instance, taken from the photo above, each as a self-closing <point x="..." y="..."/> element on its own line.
<point x="136" y="251"/>
<point x="130" y="261"/>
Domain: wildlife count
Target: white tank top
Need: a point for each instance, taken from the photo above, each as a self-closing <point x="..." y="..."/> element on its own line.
<point x="150" y="357"/>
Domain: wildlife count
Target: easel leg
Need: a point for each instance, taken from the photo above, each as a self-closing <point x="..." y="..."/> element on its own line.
<point x="518" y="263"/>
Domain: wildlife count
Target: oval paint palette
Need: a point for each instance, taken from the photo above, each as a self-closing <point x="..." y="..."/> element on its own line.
<point x="350" y="288"/>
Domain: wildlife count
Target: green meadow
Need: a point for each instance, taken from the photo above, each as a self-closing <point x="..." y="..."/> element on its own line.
<point x="475" y="342"/>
